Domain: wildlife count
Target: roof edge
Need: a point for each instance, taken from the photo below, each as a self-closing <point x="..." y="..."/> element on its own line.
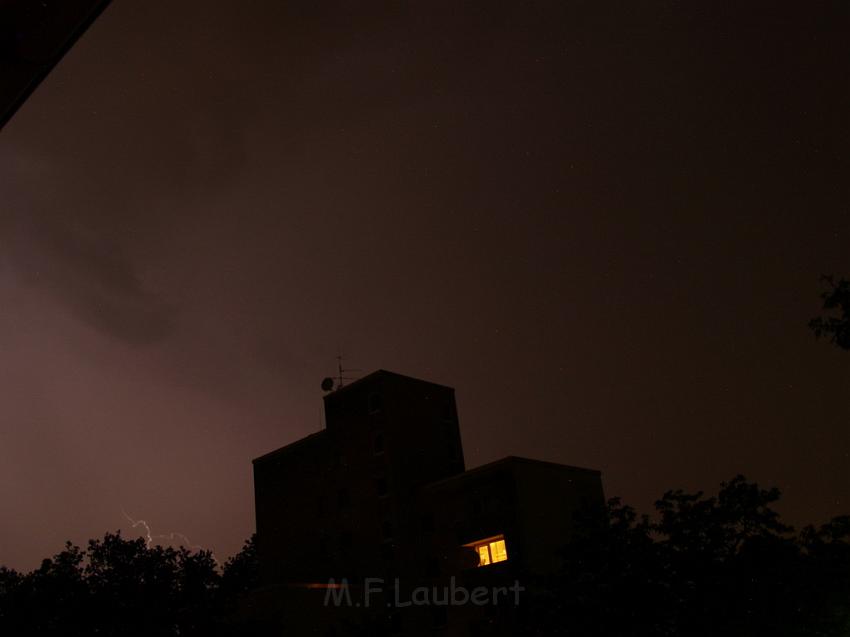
<point x="507" y="461"/>
<point x="384" y="372"/>
<point x="286" y="448"/>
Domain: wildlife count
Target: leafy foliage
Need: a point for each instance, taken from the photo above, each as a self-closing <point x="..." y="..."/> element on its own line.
<point x="123" y="587"/>
<point x="700" y="566"/>
<point x="836" y="324"/>
<point x="721" y="565"/>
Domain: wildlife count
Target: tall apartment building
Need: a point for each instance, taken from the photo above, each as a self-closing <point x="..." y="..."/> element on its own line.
<point x="380" y="500"/>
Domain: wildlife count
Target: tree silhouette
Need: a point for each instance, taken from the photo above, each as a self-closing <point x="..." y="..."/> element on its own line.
<point x="836" y="302"/>
<point x="120" y="587"/>
<point x="723" y="565"/>
<point x="239" y="574"/>
<point x="701" y="566"/>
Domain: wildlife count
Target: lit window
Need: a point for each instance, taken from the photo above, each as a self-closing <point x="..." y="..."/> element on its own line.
<point x="490" y="550"/>
<point x="498" y="551"/>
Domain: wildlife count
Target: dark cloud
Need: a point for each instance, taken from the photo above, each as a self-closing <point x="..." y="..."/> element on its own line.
<point x="90" y="274"/>
<point x="101" y="285"/>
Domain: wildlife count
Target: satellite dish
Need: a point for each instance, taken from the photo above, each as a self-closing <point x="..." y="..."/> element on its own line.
<point x="327" y="384"/>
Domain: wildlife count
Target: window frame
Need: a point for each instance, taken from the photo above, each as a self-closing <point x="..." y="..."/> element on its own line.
<point x="488" y="543"/>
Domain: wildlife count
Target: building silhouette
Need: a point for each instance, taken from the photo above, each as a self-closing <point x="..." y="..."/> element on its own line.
<point x="380" y="500"/>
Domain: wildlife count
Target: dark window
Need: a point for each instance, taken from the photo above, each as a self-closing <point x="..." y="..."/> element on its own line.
<point x="448" y="432"/>
<point x="428" y="522"/>
<point x="378" y="442"/>
<point x="387" y="530"/>
<point x="439" y="616"/>
<point x="382" y="486"/>
<point x="432" y="567"/>
<point x="375" y="403"/>
<point x="396" y="626"/>
<point x="447" y="413"/>
<point x="342" y="498"/>
<point x="476" y="507"/>
<point x="460" y="532"/>
<point x="345" y="540"/>
<point x="451" y="451"/>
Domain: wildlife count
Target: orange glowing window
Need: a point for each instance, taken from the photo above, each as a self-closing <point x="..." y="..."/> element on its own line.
<point x="490" y="550"/>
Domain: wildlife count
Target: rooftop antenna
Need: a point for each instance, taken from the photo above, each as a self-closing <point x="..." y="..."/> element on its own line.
<point x="332" y="384"/>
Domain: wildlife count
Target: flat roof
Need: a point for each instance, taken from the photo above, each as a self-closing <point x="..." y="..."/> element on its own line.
<point x="507" y="461"/>
<point x="314" y="437"/>
<point x="383" y="372"/>
<point x="317" y="435"/>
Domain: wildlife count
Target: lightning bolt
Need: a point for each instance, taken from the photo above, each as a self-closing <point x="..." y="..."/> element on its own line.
<point x="136" y="523"/>
<point x="171" y="537"/>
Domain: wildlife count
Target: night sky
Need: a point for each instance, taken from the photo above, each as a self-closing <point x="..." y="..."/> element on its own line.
<point x="602" y="223"/>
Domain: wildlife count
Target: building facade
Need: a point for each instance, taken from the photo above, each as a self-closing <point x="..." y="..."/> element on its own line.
<point x="356" y="522"/>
